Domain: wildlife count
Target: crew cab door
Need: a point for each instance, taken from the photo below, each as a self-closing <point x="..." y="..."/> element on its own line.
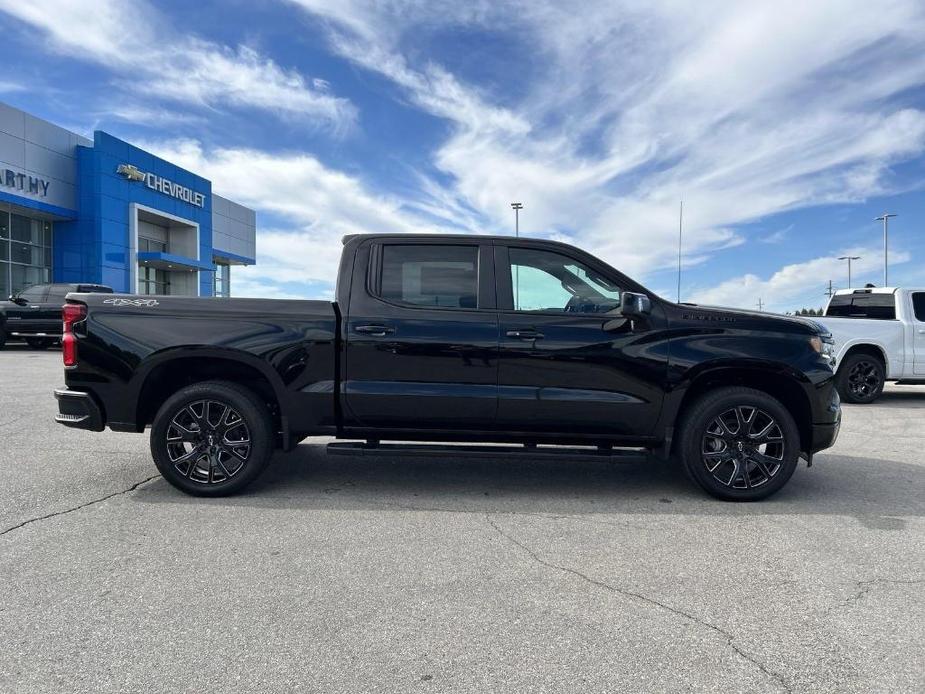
<point x="918" y="332"/>
<point x="570" y="364"/>
<point x="421" y="337"/>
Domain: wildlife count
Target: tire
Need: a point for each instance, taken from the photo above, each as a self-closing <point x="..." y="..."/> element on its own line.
<point x="709" y="445"/>
<point x="200" y="457"/>
<point x="860" y="378"/>
<point x="39" y="342"/>
<point x="2" y="338"/>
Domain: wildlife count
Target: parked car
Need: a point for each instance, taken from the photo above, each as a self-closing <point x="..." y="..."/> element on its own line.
<point x="453" y="338"/>
<point x="35" y="313"/>
<point x="879" y="334"/>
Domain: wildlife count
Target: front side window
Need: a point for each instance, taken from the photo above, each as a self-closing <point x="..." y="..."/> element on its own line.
<point x="430" y="275"/>
<point x="34" y="295"/>
<point x="545" y="281"/>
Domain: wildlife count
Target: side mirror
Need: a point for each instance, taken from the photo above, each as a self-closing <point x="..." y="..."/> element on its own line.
<point x="18" y="300"/>
<point x="635" y="305"/>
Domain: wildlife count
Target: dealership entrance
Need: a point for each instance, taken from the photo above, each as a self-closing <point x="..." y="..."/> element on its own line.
<point x="167" y="252"/>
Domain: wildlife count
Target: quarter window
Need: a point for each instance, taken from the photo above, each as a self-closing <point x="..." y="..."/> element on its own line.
<point x="549" y="282"/>
<point x="430" y="275"/>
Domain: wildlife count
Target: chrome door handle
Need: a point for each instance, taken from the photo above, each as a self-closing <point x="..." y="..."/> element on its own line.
<point x="525" y="334"/>
<point x="921" y="332"/>
<point x="374" y="330"/>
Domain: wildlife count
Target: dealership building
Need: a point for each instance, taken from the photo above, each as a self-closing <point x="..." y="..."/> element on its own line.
<point x="104" y="211"/>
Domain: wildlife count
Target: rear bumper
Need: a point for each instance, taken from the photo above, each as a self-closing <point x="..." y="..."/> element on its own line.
<point x="78" y="410"/>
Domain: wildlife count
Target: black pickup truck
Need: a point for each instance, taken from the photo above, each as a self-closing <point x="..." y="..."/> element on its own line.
<point x="454" y="339"/>
<point x="34" y="315"/>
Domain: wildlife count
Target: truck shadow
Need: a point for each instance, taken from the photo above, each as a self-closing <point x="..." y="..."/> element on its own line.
<point x="876" y="492"/>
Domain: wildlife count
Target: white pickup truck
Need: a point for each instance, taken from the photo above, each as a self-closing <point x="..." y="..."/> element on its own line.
<point x="879" y="336"/>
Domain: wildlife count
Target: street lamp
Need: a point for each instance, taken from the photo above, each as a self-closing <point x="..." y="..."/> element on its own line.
<point x="517" y="207"/>
<point x="849" y="258"/>
<point x="885" y="218"/>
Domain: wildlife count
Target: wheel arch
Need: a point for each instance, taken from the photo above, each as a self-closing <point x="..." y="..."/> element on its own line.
<point x="165" y="375"/>
<point x="871" y="349"/>
<point x="781" y="384"/>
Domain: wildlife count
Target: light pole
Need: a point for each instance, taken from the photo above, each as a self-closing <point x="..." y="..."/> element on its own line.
<point x="885" y="218"/>
<point x="760" y="304"/>
<point x="517" y="207"/>
<point x="849" y="258"/>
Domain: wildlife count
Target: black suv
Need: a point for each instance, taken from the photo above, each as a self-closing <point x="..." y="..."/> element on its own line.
<point x="35" y="313"/>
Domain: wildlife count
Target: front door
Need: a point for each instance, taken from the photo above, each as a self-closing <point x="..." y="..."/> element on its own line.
<point x="26" y="316"/>
<point x="422" y="337"/>
<point x="570" y="363"/>
<point x="918" y="332"/>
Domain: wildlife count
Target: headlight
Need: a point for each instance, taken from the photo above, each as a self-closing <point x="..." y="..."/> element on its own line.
<point x="824" y="345"/>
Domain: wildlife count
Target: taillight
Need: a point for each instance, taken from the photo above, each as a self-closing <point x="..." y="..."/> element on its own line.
<point x="72" y="313"/>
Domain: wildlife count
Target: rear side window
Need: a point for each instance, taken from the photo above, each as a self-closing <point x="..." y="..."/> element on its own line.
<point x="876" y="306"/>
<point x="430" y="275"/>
<point x="918" y="306"/>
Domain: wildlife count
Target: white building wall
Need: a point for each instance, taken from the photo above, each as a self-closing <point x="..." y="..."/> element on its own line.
<point x="234" y="227"/>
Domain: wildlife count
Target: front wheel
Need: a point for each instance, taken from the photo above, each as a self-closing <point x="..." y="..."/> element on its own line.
<point x="739" y="444"/>
<point x="860" y="379"/>
<point x="212" y="438"/>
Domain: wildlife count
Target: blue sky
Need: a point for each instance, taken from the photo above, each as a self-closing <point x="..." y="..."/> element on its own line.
<point x="785" y="127"/>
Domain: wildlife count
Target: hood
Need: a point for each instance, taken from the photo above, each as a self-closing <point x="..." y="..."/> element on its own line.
<point x="750" y="320"/>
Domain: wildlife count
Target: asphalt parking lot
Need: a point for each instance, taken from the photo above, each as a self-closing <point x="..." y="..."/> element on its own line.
<point x="347" y="574"/>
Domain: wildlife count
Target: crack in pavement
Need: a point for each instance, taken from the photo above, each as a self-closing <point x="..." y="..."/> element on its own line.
<point x="864" y="587"/>
<point x="77" y="508"/>
<point x="730" y="639"/>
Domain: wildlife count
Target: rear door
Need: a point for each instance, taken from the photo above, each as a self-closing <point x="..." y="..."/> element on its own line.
<point x="48" y="317"/>
<point x="421" y="336"/>
<point x="918" y="332"/>
<point x="570" y="364"/>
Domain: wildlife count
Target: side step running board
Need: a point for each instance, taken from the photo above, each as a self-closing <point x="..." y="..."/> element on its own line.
<point x="613" y="455"/>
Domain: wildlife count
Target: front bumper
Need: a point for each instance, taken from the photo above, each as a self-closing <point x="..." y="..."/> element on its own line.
<point x="825" y="434"/>
<point x="78" y="410"/>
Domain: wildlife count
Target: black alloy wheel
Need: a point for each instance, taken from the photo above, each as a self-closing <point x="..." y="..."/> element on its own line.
<point x="208" y="442"/>
<point x="212" y="438"/>
<point x="860" y="379"/>
<point x="743" y="447"/>
<point x="738" y="444"/>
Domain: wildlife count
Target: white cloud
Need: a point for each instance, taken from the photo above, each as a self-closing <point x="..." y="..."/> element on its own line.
<point x="320" y="205"/>
<point x="799" y="285"/>
<point x="741" y="109"/>
<point x="134" y="40"/>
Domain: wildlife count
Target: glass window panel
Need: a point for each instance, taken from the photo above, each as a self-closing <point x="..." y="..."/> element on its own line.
<point x="918" y="305"/>
<point x="4" y="281"/>
<point x="550" y="282"/>
<point x="444" y="276"/>
<point x="4" y="253"/>
<point x="4" y="225"/>
<point x="20" y="228"/>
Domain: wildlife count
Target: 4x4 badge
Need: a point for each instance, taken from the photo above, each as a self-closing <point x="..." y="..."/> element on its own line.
<point x="132" y="302"/>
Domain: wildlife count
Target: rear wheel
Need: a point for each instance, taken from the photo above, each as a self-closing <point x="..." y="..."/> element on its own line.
<point x="212" y="438"/>
<point x="739" y="444"/>
<point x="40" y="342"/>
<point x="860" y="378"/>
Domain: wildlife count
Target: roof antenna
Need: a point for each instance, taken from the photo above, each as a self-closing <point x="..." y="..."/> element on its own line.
<point x="680" y="231"/>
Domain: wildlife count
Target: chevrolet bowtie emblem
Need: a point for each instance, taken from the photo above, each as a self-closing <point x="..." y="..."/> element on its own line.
<point x="131" y="172"/>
